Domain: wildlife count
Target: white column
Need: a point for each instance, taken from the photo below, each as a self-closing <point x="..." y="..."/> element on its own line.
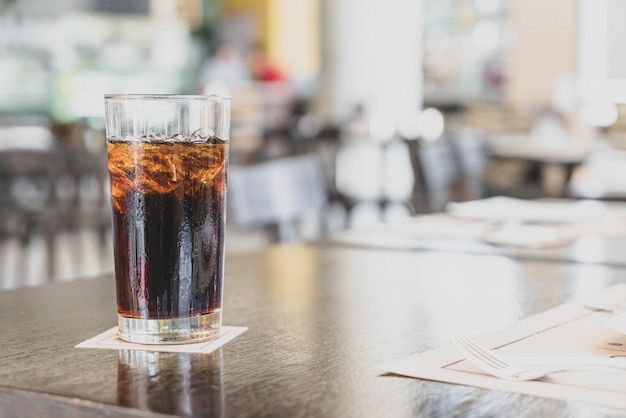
<point x="371" y="55"/>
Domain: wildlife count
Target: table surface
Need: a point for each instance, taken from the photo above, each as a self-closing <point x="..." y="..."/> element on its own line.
<point x="321" y="320"/>
<point x="526" y="147"/>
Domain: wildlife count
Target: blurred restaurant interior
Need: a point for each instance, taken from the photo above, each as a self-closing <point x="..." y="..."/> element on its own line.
<point x="345" y="114"/>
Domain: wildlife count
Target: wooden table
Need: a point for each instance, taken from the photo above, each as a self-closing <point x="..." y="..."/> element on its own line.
<point x="321" y="319"/>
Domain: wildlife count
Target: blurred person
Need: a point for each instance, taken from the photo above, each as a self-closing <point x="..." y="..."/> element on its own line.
<point x="224" y="71"/>
<point x="261" y="66"/>
<point x="274" y="90"/>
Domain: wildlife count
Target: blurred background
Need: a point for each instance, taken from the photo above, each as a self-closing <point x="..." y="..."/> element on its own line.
<point x="345" y="112"/>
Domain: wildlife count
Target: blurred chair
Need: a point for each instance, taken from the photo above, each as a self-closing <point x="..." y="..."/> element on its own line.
<point x="276" y="195"/>
<point x="447" y="169"/>
<point x="328" y="147"/>
<point x="85" y="201"/>
<point x="28" y="180"/>
<point x="434" y="172"/>
<point x="48" y="186"/>
<point x="470" y="151"/>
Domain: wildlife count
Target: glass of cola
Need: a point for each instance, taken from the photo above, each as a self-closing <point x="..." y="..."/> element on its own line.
<point x="168" y="161"/>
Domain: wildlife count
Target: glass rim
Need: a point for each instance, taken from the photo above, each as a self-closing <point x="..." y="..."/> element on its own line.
<point x="209" y="97"/>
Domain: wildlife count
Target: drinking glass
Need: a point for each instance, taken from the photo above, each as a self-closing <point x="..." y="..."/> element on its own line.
<point x="168" y="160"/>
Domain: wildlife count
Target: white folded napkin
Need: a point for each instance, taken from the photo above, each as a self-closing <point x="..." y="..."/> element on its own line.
<point x="508" y="209"/>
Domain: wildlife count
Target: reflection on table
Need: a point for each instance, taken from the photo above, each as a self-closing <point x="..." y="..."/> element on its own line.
<point x="155" y="381"/>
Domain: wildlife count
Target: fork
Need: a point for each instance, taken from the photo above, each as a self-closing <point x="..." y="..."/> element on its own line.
<point x="496" y="365"/>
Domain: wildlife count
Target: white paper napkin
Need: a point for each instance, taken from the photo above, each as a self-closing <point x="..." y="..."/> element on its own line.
<point x="508" y="209"/>
<point x="567" y="330"/>
<point x="110" y="340"/>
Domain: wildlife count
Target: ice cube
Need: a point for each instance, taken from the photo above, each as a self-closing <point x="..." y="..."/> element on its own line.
<point x="177" y="138"/>
<point x="201" y="135"/>
<point x="156" y="137"/>
<point x="130" y="138"/>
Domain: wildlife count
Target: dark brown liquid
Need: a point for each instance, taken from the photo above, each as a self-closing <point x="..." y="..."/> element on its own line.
<point x="168" y="227"/>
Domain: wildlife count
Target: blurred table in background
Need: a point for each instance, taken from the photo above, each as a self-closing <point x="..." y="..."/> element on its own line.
<point x="564" y="231"/>
<point x="602" y="176"/>
<point x="556" y="158"/>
